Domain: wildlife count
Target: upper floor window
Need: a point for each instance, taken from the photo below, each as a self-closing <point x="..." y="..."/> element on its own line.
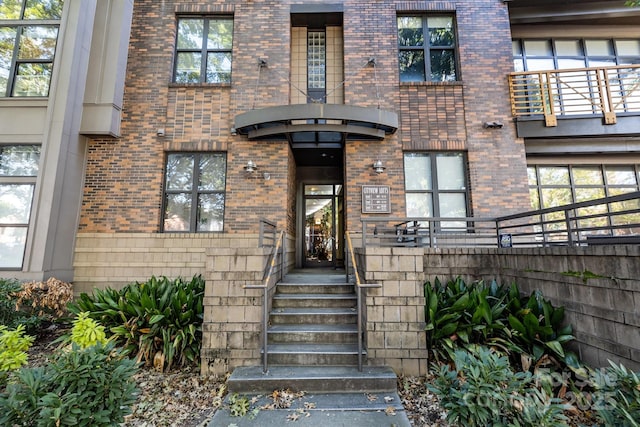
<point x="559" y="54"/>
<point x="194" y="192"/>
<point x="203" y="50"/>
<point x="427" y="48"/>
<point x="28" y="36"/>
<point x="436" y="185"/>
<point x="18" y="172"/>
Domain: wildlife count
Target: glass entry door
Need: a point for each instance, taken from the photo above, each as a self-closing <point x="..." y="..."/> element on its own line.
<point x="323" y="226"/>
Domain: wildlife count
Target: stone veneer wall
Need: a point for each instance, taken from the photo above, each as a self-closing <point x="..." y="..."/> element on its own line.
<point x="603" y="311"/>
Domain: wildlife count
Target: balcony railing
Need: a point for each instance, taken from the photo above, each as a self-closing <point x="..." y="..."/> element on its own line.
<point x="605" y="91"/>
<point x="607" y="221"/>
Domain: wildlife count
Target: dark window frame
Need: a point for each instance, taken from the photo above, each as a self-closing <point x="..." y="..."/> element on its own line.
<point x="195" y="192"/>
<point x="435" y="190"/>
<point x="204" y="51"/>
<point x="19" y="25"/>
<point x="426" y="48"/>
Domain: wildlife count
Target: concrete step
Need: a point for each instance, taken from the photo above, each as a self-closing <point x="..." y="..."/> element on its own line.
<point x="313" y="333"/>
<point x="340" y="315"/>
<point x="313" y="379"/>
<point x="314" y="300"/>
<point x="343" y="409"/>
<point x="313" y="354"/>
<point x="315" y="288"/>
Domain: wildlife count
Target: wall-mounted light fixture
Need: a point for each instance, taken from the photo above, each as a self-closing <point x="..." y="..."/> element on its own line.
<point x="251" y="166"/>
<point x="234" y="131"/>
<point x="378" y="166"/>
<point x="492" y="125"/>
<point x="160" y="132"/>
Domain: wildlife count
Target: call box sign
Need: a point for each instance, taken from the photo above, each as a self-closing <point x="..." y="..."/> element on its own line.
<point x="376" y="199"/>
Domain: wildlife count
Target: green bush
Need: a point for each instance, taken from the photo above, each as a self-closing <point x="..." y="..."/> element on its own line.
<point x="529" y="329"/>
<point x="482" y="390"/>
<point x="13" y="348"/>
<point x="616" y="395"/>
<point x="10" y="315"/>
<point x="158" y="321"/>
<point x="84" y="387"/>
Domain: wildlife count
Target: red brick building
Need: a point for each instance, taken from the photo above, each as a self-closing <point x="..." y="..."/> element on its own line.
<point x="151" y="138"/>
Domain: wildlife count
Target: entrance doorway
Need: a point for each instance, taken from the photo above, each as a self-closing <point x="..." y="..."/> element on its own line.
<point x="323" y="226"/>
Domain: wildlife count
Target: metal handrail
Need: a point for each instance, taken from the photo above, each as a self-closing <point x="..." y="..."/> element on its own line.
<point x="587" y="91"/>
<point x="265" y="295"/>
<point x="359" y="288"/>
<point x="616" y="217"/>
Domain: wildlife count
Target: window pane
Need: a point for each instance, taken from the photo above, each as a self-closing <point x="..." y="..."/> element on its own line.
<point x="12" y="243"/>
<point x="212" y="172"/>
<point x="587" y="176"/>
<point x="599" y="47"/>
<point x="602" y="62"/>
<point x="38" y="42"/>
<point x="584" y="194"/>
<point x="10" y="9"/>
<point x="534" y="198"/>
<point x="450" y="170"/>
<point x="412" y="66"/>
<point x="564" y="64"/>
<point x="452" y="205"/>
<point x="15" y="203"/>
<point x="220" y="34"/>
<point x="531" y="175"/>
<point x="539" y="64"/>
<point x="554" y="175"/>
<point x="552" y="197"/>
<point x="314" y="190"/>
<point x="417" y="171"/>
<point x="628" y="47"/>
<point x="19" y="160"/>
<point x="518" y="65"/>
<point x="177" y="212"/>
<point x="190" y="34"/>
<point x="419" y="205"/>
<point x="410" y="31"/>
<point x="179" y="172"/>
<point x="569" y="48"/>
<point x="516" y="49"/>
<point x="43" y="9"/>
<point x="32" y="80"/>
<point x="7" y="43"/>
<point x="188" y="68"/>
<point x="620" y="175"/>
<point x="443" y="65"/>
<point x="441" y="31"/>
<point x="219" y="67"/>
<point x="210" y="212"/>
<point x="538" y="48"/>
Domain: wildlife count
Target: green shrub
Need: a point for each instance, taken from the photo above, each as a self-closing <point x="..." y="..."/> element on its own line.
<point x="459" y="315"/>
<point x="84" y="387"/>
<point x="86" y="332"/>
<point x="13" y="348"/>
<point x="616" y="395"/>
<point x="10" y="315"/>
<point x="158" y="321"/>
<point x="482" y="390"/>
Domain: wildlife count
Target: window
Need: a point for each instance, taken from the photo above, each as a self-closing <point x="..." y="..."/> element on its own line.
<point x="435" y="186"/>
<point x="427" y="48"/>
<point x="194" y="192"/>
<point x="28" y="36"/>
<point x="203" y="50"/>
<point x="18" y="172"/>
<point x="557" y="185"/>
<point x="559" y="54"/>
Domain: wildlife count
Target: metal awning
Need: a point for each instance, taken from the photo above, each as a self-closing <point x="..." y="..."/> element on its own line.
<point x="303" y="124"/>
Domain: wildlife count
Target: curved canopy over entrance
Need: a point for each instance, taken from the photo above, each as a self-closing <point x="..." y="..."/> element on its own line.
<point x="303" y="124"/>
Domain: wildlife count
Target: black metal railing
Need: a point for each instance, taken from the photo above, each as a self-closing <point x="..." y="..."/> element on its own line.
<point x="609" y="220"/>
<point x="361" y="301"/>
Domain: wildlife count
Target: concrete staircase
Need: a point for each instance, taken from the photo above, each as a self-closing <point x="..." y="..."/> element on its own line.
<point x="313" y="321"/>
<point x="313" y="348"/>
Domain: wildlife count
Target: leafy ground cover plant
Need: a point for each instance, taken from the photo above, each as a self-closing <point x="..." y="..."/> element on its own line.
<point x="528" y="329"/>
<point x="616" y="395"/>
<point x="85" y="387"/>
<point x="483" y="390"/>
<point x="158" y="321"/>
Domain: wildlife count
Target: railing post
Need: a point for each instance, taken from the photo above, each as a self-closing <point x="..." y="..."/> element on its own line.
<point x="360" y="332"/>
<point x="567" y="218"/>
<point x="265" y="321"/>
